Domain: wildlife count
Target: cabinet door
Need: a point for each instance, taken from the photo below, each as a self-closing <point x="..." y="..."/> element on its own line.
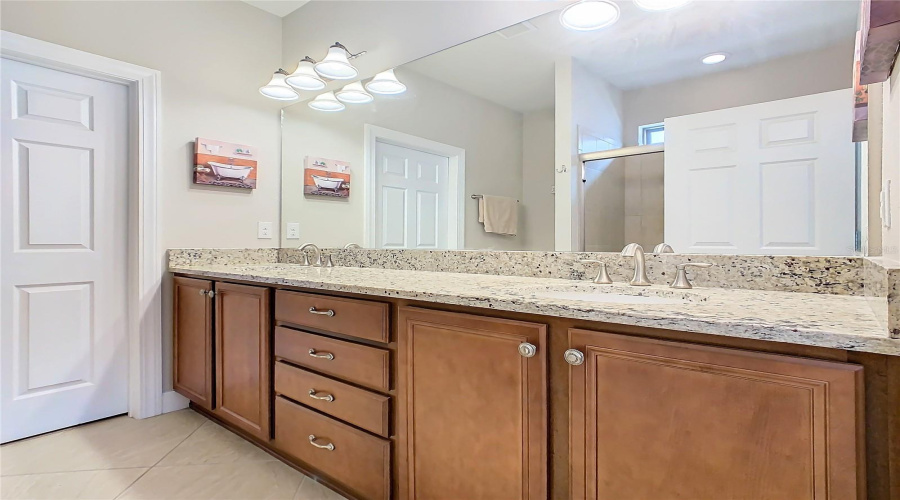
<point x="193" y="340"/>
<point x="472" y="410"/>
<point x="243" y="357"/>
<point x="654" y="419"/>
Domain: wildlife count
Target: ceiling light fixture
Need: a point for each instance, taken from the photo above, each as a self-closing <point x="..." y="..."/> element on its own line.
<point x="336" y="64"/>
<point x="278" y="89"/>
<point x="589" y="15"/>
<point x="305" y="77"/>
<point x="386" y="83"/>
<point x="658" y="5"/>
<point x="714" y="58"/>
<point x="354" y="93"/>
<point x="326" y="102"/>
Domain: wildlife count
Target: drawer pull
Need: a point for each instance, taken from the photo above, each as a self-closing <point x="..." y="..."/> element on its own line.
<point x="324" y="355"/>
<point x="312" y="441"/>
<point x="327" y="397"/>
<point x="329" y="312"/>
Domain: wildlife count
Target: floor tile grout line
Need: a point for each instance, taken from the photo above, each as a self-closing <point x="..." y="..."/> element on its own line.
<point x="161" y="458"/>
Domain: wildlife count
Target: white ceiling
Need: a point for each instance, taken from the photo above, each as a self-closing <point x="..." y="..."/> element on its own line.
<point x="280" y="8"/>
<point x="642" y="48"/>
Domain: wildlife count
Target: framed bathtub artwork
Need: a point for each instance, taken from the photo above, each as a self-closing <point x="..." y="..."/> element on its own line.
<point x="218" y="163"/>
<point x="324" y="177"/>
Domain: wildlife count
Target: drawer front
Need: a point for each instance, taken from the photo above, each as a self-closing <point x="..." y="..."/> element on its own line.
<point x="359" y="461"/>
<point x="364" y="365"/>
<point x="359" y="407"/>
<point x="357" y="318"/>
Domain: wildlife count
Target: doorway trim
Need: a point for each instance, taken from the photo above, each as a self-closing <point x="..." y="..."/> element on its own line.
<point x="456" y="207"/>
<point x="145" y="260"/>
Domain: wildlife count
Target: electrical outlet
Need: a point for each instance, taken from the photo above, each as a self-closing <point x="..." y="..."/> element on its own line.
<point x="293" y="231"/>
<point x="264" y="231"/>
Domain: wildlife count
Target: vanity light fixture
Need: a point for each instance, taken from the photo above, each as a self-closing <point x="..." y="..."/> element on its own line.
<point x="386" y="83"/>
<point x="658" y="5"/>
<point x="714" y="58"/>
<point x="336" y="64"/>
<point x="354" y="93"/>
<point x="277" y="88"/>
<point x="589" y="15"/>
<point x="305" y="77"/>
<point x="326" y="102"/>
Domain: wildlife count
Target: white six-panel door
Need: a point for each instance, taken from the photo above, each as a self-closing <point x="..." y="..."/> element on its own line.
<point x="412" y="195"/>
<point x="63" y="221"/>
<point x="776" y="178"/>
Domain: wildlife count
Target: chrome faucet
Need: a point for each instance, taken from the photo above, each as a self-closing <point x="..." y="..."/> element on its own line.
<point x="640" y="267"/>
<point x="663" y="248"/>
<point x="348" y="246"/>
<point x="318" y="262"/>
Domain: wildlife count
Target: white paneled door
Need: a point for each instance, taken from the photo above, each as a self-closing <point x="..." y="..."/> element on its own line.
<point x="412" y="196"/>
<point x="63" y="221"/>
<point x="776" y="178"/>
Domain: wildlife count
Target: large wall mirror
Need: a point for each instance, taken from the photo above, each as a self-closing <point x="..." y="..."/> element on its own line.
<point x="716" y="127"/>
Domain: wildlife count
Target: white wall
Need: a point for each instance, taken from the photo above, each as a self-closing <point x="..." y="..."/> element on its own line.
<point x="537" y="180"/>
<point x="210" y="79"/>
<point x="490" y="134"/>
<point x="793" y="76"/>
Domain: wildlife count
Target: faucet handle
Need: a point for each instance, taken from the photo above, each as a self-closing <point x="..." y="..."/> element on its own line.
<point x="328" y="261"/>
<point x="663" y="248"/>
<point x="602" y="275"/>
<point x="681" y="279"/>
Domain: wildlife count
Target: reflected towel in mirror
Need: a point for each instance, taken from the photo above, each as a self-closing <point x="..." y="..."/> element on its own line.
<point x="499" y="214"/>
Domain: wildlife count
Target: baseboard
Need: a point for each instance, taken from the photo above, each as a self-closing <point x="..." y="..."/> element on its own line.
<point x="172" y="401"/>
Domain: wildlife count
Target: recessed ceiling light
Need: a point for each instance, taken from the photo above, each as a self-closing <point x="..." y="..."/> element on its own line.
<point x="656" y="5"/>
<point x="588" y="15"/>
<point x="714" y="58"/>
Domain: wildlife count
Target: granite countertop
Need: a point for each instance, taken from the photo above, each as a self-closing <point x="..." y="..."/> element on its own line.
<point x="836" y="321"/>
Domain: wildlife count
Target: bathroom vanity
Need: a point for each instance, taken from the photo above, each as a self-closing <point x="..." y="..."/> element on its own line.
<point x="411" y="384"/>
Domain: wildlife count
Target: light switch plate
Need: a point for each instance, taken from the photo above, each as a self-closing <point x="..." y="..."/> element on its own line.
<point x="264" y="231"/>
<point x="293" y="231"/>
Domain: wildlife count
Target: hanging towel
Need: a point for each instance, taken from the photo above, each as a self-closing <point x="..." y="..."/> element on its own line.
<point x="499" y="214"/>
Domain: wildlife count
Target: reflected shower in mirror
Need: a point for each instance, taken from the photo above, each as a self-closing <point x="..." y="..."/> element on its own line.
<point x="716" y="127"/>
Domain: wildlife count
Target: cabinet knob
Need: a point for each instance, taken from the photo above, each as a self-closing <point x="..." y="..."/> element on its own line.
<point x="574" y="357"/>
<point x="202" y="293"/>
<point x="211" y="294"/>
<point x="527" y="350"/>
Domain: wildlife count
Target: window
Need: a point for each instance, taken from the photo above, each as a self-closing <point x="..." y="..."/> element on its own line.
<point x="655" y="133"/>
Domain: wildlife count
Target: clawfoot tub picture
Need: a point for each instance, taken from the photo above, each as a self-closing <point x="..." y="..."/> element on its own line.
<point x="323" y="177"/>
<point x="220" y="163"/>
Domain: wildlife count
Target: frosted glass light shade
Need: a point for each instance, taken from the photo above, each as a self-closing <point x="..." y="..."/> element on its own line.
<point x="336" y="66"/>
<point x="715" y="58"/>
<point x="588" y="15"/>
<point x="656" y="5"/>
<point x="326" y="102"/>
<point x="305" y="77"/>
<point x="354" y="93"/>
<point x="385" y="83"/>
<point x="278" y="89"/>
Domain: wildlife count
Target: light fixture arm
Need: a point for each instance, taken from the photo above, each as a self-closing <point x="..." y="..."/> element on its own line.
<point x="281" y="72"/>
<point x="350" y="55"/>
<point x="309" y="59"/>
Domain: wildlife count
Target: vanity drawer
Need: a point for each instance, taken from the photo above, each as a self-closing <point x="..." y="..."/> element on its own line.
<point x="360" y="461"/>
<point x="356" y="318"/>
<point x="359" y="407"/>
<point x="364" y="365"/>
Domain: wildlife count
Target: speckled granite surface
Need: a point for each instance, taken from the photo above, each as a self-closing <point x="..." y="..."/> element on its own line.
<point x="831" y="275"/>
<point x="191" y="256"/>
<point x="836" y="321"/>
<point x="882" y="290"/>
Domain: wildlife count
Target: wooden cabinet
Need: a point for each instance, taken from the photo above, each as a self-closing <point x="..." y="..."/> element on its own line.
<point x="193" y="340"/>
<point x="659" y="419"/>
<point x="243" y="357"/>
<point x="472" y="409"/>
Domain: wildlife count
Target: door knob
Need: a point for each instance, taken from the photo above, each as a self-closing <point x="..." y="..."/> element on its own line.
<point x="574" y="357"/>
<point x="527" y="350"/>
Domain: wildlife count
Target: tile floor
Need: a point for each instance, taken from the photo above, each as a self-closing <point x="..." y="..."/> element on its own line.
<point x="179" y="455"/>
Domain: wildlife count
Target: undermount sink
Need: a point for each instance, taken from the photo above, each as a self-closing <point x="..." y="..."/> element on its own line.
<point x="610" y="298"/>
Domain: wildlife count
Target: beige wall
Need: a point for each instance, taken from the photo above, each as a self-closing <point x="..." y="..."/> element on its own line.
<point x="490" y="134"/>
<point x="210" y="79"/>
<point x="537" y="180"/>
<point x="803" y="74"/>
